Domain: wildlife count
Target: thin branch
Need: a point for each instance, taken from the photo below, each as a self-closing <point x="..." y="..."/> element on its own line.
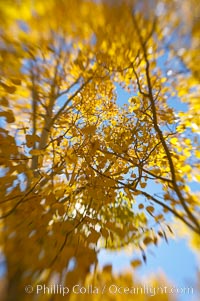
<point x="57" y="115"/>
<point x="20" y="201"/>
<point x="159" y="132"/>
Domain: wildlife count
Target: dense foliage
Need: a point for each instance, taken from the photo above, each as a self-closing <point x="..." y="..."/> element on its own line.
<point x="80" y="170"/>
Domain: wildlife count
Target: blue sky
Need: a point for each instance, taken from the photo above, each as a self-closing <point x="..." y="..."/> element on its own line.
<point x="175" y="260"/>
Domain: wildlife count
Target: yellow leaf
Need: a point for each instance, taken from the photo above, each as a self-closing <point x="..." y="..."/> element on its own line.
<point x="143" y="185"/>
<point x="31" y="139"/>
<point x="197" y="153"/>
<point x="107" y="268"/>
<point x="133" y="175"/>
<point x="147" y="240"/>
<point x="94" y="236"/>
<point x="150" y="209"/>
<point x="163" y="80"/>
<point x="16" y="81"/>
<point x="8" y="115"/>
<point x="174" y="141"/>
<point x="140" y="206"/>
<point x="136" y="263"/>
<point x="37" y="152"/>
<point x="186" y="168"/>
<point x="9" y="89"/>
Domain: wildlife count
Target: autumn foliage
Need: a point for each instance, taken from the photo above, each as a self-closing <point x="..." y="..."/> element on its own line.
<point x="83" y="169"/>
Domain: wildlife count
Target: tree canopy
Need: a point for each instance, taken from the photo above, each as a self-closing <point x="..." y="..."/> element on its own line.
<point x="82" y="168"/>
